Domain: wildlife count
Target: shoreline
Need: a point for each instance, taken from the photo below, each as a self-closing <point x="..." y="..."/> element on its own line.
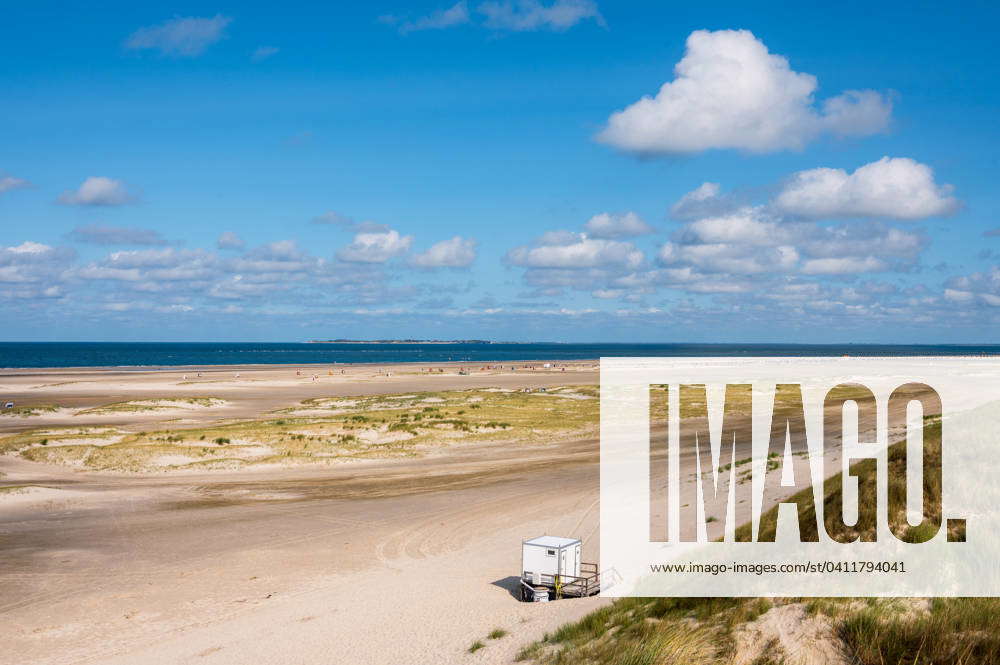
<point x="133" y="369"/>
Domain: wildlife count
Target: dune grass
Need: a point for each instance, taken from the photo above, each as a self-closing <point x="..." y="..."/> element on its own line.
<point x="643" y="631"/>
<point x="320" y="431"/>
<point x="144" y="405"/>
<point x="883" y="631"/>
<point x="29" y="411"/>
<point x="871" y="631"/>
<point x="955" y="631"/>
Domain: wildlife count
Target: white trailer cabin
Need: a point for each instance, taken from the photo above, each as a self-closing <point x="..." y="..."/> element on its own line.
<point x="553" y="566"/>
<point x="544" y="557"/>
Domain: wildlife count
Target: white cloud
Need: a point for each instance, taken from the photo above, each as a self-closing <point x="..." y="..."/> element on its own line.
<point x="230" y="240"/>
<point x="584" y="252"/>
<point x="896" y="188"/>
<point x="735" y="259"/>
<point x="375" y="247"/>
<point x="607" y="225"/>
<point x="96" y="272"/>
<point x="748" y="226"/>
<point x="705" y="200"/>
<point x="283" y="258"/>
<point x="457" y="14"/>
<point x="457" y="252"/>
<point x="263" y="53"/>
<point x="182" y="36"/>
<point x="33" y="263"/>
<point x="9" y="183"/>
<point x="857" y="113"/>
<point x="523" y="15"/>
<point x="861" y="240"/>
<point x="98" y="191"/>
<point x="959" y="296"/>
<point x="982" y="287"/>
<point x="29" y="247"/>
<point x="844" y="265"/>
<point x="751" y="241"/>
<point x="731" y="92"/>
<point x="100" y="234"/>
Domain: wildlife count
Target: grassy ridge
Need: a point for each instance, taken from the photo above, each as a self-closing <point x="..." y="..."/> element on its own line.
<point x="869" y="631"/>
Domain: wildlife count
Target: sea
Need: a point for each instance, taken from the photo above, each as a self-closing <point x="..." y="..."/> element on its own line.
<point x="152" y="355"/>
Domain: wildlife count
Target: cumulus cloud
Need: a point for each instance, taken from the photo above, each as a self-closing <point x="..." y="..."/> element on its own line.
<point x="457" y="14"/>
<point x="751" y="241"/>
<point x="375" y="247"/>
<point x="230" y="240"/>
<point x="32" y="263"/>
<point x="982" y="287"/>
<point x="856" y="113"/>
<point x="523" y="15"/>
<point x="561" y="260"/>
<point x="99" y="234"/>
<point x="159" y="258"/>
<point x="182" y="36"/>
<point x="703" y="201"/>
<point x="843" y="265"/>
<point x="276" y="276"/>
<point x="9" y="183"/>
<point x="457" y="252"/>
<point x="582" y="252"/>
<point x="734" y="259"/>
<point x="98" y="191"/>
<point x="608" y="225"/>
<point x="731" y="92"/>
<point x="895" y="188"/>
<point x="28" y="248"/>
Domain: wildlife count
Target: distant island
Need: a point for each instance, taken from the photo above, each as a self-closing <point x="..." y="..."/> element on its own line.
<point x="400" y="341"/>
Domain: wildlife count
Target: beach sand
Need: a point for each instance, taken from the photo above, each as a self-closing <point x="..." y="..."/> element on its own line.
<point x="406" y="560"/>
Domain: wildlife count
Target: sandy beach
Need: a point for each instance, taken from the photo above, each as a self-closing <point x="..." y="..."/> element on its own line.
<point x="398" y="560"/>
<point x="406" y="558"/>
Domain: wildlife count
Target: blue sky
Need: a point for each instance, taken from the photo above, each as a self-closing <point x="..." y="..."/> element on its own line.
<point x="489" y="169"/>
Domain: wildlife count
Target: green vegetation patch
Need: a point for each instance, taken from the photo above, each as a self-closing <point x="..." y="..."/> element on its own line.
<point x="368" y="427"/>
<point x="29" y="411"/>
<point x="144" y="405"/>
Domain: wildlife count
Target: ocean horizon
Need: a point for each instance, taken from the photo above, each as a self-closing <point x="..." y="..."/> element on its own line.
<point x="21" y="355"/>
